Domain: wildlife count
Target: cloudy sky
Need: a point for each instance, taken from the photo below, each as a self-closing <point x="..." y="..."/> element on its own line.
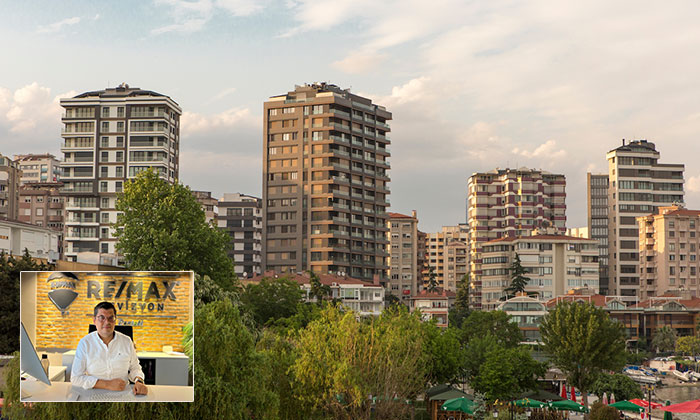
<point x="473" y="85"/>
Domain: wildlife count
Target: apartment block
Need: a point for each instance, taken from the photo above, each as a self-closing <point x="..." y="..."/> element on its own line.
<point x="668" y="251"/>
<point x="325" y="183"/>
<point x="9" y="188"/>
<point x="208" y="204"/>
<point x="241" y="216"/>
<point x="554" y="264"/>
<point x="638" y="186"/>
<point x="510" y="203"/>
<point x="44" y="168"/>
<point x="404" y="271"/>
<point x="446" y="256"/>
<point x="434" y="305"/>
<point x="109" y="136"/>
<point x="598" y="213"/>
<point x="41" y="242"/>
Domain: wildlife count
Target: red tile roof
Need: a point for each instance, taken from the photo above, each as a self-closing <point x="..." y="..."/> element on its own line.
<point x="398" y="216"/>
<point x="438" y="294"/>
<point x="693" y="303"/>
<point x="683" y="212"/>
<point x="597" y="300"/>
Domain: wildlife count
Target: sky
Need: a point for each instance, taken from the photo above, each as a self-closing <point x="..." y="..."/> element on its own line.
<point x="472" y="85"/>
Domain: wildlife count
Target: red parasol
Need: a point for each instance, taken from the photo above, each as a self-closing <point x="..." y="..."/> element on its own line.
<point x="605" y="398"/>
<point x="645" y="404"/>
<point x="573" y="394"/>
<point x="685" y="407"/>
<point x="563" y="390"/>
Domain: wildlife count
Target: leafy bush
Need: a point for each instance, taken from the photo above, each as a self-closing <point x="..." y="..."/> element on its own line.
<point x="600" y="411"/>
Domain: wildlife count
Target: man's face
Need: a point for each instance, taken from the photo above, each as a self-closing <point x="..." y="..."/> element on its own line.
<point x="105" y="321"/>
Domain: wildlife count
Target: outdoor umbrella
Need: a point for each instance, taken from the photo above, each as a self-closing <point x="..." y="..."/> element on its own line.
<point x="605" y="398"/>
<point x="568" y="405"/>
<point x="563" y="390"/>
<point x="462" y="404"/>
<point x="667" y="414"/>
<point x="612" y="398"/>
<point x="527" y="402"/>
<point x="644" y="403"/>
<point x="573" y="394"/>
<point x="627" y="406"/>
<point x="685" y="407"/>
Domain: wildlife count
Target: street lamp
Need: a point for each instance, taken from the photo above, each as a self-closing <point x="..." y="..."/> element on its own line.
<point x="649" y="389"/>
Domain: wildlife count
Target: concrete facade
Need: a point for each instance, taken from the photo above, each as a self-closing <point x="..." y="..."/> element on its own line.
<point x="9" y="188"/>
<point x="241" y="216"/>
<point x="404" y="271"/>
<point x="325" y="183"/>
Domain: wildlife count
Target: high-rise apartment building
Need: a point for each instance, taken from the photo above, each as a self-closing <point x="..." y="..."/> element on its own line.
<point x="404" y="272"/>
<point x="598" y="223"/>
<point x="554" y="264"/>
<point x="668" y="252"/>
<point x="9" y="188"/>
<point x="41" y="204"/>
<point x="241" y="216"/>
<point x="443" y="256"/>
<point x="325" y="183"/>
<point x="110" y="136"/>
<point x="38" y="168"/>
<point x="510" y="203"/>
<point x="638" y="186"/>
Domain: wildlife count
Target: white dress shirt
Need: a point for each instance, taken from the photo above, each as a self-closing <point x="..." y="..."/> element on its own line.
<point x="95" y="360"/>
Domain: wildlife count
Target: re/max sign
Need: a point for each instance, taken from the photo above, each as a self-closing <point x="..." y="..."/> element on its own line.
<point x="130" y="290"/>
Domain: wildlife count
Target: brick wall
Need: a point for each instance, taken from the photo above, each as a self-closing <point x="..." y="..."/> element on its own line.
<point x="157" y="319"/>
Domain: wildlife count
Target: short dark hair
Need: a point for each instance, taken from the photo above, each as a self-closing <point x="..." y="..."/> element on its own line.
<point x="106" y="306"/>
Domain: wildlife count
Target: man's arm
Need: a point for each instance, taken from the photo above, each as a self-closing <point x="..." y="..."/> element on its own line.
<point x="136" y="373"/>
<point x="78" y="375"/>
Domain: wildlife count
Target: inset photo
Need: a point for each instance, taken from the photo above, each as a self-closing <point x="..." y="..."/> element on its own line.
<point x="106" y="336"/>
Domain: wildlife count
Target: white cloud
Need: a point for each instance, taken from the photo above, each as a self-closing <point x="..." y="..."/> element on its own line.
<point x="192" y="16"/>
<point x="193" y="123"/>
<point x="693" y="184"/>
<point x="359" y="62"/>
<point x="546" y="150"/>
<point x="224" y="93"/>
<point x="57" y="26"/>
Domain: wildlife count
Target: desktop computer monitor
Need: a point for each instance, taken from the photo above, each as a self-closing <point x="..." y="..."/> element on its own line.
<point x="124" y="329"/>
<point x="29" y="362"/>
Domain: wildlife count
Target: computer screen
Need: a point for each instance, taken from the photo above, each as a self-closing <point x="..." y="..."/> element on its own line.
<point x="124" y="329"/>
<point x="28" y="359"/>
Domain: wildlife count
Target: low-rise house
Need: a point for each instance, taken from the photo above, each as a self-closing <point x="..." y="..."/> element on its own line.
<point x="434" y="305"/>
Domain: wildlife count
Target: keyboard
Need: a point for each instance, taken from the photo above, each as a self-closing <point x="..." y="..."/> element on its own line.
<point x="125" y="395"/>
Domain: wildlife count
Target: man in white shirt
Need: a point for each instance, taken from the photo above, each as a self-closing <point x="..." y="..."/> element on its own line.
<point x="106" y="359"/>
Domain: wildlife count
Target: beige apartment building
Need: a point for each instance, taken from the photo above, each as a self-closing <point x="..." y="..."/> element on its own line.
<point x="404" y="271"/>
<point x="209" y="205"/>
<point x="44" y="168"/>
<point x="325" y="183"/>
<point x="668" y="251"/>
<point x="510" y="203"/>
<point x="554" y="264"/>
<point x="9" y="188"/>
<point x="110" y="136"/>
<point x="638" y="186"/>
<point x="447" y="256"/>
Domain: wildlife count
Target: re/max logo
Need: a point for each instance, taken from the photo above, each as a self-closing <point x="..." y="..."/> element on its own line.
<point x="130" y="290"/>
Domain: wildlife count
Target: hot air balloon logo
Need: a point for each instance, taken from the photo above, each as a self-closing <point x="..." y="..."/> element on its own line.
<point x="62" y="292"/>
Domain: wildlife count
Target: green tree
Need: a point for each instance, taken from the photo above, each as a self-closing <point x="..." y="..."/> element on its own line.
<point x="496" y="323"/>
<point x="621" y="385"/>
<point x="445" y="355"/>
<point x="664" y="339"/>
<point x="343" y="361"/>
<point x="10" y="269"/>
<point x="582" y="341"/>
<point x="518" y="281"/>
<point x="271" y="299"/>
<point x="688" y="346"/>
<point x="507" y="372"/>
<point x="318" y="290"/>
<point x="432" y="280"/>
<point x="163" y="227"/>
<point x="461" y="308"/>
<point x="207" y="291"/>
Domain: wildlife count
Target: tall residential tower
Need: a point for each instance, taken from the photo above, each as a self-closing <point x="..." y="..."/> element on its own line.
<point x="110" y="136"/>
<point x="325" y="183"/>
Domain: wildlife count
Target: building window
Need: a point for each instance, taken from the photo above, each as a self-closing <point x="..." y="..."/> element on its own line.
<point x="105" y="126"/>
<point x="120" y="156"/>
<point x="119" y="171"/>
<point x="104" y="157"/>
<point x="103" y="186"/>
<point x="118" y="186"/>
<point x="104" y="172"/>
<point x="39" y="211"/>
<point x="105" y="203"/>
<point x="104" y="248"/>
<point x="120" y="141"/>
<point x="105" y="112"/>
<point x="105" y="217"/>
<point x="120" y="112"/>
<point x="104" y="141"/>
<point x="120" y="126"/>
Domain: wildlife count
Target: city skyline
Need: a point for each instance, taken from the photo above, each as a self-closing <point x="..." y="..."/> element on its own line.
<point x="541" y="85"/>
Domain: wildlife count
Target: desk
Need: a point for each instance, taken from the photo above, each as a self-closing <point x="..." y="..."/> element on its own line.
<point x="170" y="369"/>
<point x="56" y="374"/>
<point x="59" y="391"/>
